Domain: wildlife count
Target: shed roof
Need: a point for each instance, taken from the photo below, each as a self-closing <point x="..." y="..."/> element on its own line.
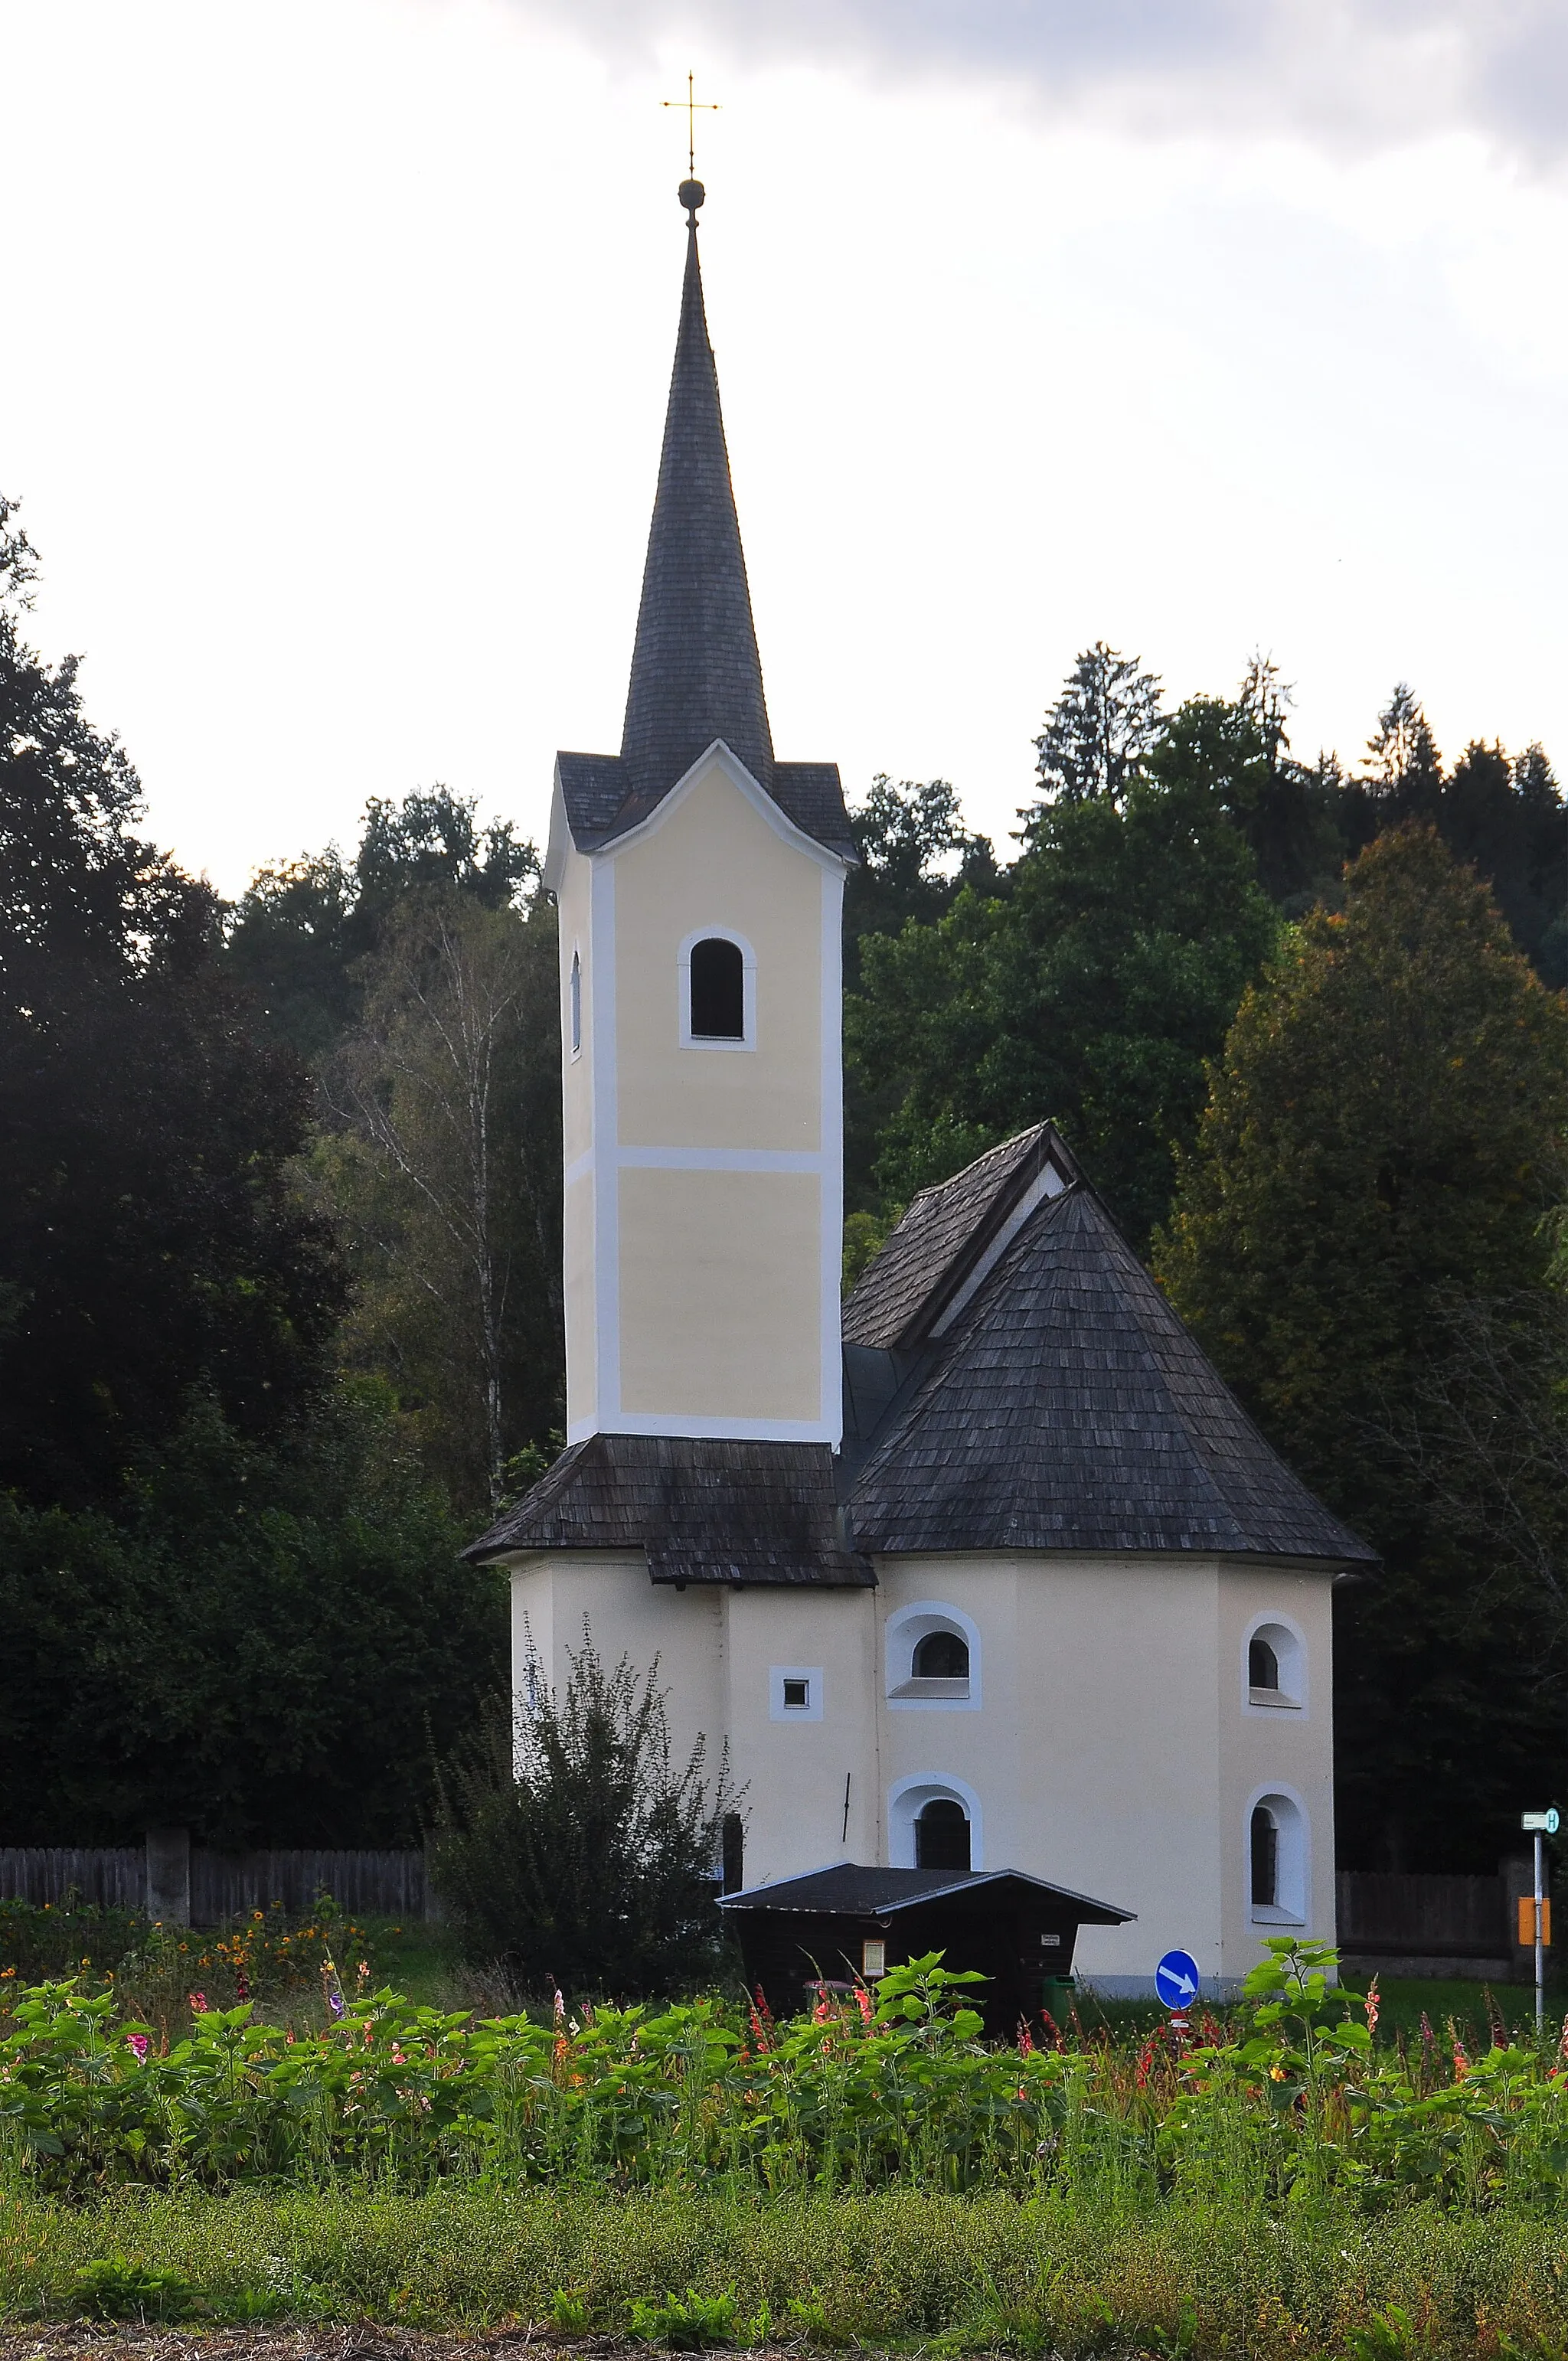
<point x="850" y="1889"/>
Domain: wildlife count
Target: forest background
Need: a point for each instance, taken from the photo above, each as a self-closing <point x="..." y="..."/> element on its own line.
<point x="280" y="1277"/>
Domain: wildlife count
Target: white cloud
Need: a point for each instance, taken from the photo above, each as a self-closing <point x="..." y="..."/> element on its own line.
<point x="1348" y="74"/>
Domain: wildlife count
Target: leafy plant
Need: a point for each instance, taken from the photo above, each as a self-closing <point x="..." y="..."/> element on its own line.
<point x="567" y="2312"/>
<point x="690" y="2323"/>
<point x="120" y="2289"/>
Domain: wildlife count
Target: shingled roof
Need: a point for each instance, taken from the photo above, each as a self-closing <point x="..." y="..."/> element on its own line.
<point x="1065" y="1407"/>
<point x="696" y="675"/>
<point x="702" y="1512"/>
<point x="944" y="1239"/>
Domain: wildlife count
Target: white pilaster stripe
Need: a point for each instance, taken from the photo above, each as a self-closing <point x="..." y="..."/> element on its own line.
<point x="717" y="1159"/>
<point x="606" y="1205"/>
<point x="830" y="1212"/>
<point x="715" y="1427"/>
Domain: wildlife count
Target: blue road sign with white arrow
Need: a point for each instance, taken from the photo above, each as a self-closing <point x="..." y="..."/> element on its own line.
<point x="1176" y="1980"/>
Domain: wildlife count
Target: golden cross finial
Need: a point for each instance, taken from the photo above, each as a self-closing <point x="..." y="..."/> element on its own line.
<point x="693" y="107"/>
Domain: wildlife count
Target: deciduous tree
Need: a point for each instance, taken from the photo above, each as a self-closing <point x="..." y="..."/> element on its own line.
<point x="150" y="1239"/>
<point x="1384" y="1133"/>
<point x="444" y="1167"/>
<point x="1093" y="993"/>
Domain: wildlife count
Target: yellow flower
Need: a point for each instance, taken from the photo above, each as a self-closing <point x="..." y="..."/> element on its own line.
<point x="1276" y="2073"/>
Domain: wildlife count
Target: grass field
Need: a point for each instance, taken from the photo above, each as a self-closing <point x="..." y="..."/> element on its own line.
<point x="890" y="2269"/>
<point x="1297" y="2181"/>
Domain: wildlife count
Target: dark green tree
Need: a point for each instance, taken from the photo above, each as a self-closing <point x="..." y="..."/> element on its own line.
<point x="915" y="853"/>
<point x="1384" y="1139"/>
<point x="569" y="1845"/>
<point x="298" y="932"/>
<point x="1098" y="732"/>
<point x="150" y="1239"/>
<point x="915" y="857"/>
<point x="1288" y="812"/>
<point x="258" y="1644"/>
<point x="1093" y="992"/>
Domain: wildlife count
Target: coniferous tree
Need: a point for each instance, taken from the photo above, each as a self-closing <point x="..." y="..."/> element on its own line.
<point x="1098" y="732"/>
<point x="1384" y="1137"/>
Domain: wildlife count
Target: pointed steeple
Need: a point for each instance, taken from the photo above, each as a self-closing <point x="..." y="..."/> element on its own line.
<point x="696" y="673"/>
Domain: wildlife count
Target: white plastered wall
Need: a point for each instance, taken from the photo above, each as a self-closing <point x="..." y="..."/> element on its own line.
<point x="1113" y="1751"/>
<point x="716" y="1649"/>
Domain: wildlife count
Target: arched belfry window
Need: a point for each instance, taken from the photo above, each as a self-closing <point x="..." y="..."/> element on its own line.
<point x="718" y="990"/>
<point x="942" y="1835"/>
<point x="1263" y="1664"/>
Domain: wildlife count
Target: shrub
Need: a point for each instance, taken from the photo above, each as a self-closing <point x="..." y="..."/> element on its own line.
<point x="569" y="1846"/>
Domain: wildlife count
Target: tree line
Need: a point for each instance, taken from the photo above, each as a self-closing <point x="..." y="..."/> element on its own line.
<point x="280" y="1302"/>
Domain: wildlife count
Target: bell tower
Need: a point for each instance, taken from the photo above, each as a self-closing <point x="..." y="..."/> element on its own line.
<point x="699" y="882"/>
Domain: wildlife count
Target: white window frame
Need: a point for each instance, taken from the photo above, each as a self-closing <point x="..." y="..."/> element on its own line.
<point x="907" y="1798"/>
<point x="777" y="1676"/>
<point x="904" y="1631"/>
<point x="1293" y="1880"/>
<point x="1289" y="1641"/>
<point x="747" y="990"/>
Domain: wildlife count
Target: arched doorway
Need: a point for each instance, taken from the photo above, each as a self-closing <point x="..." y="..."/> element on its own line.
<point x="942" y="1835"/>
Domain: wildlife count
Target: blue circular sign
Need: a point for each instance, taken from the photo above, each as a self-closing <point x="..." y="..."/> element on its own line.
<point x="1176" y="1980"/>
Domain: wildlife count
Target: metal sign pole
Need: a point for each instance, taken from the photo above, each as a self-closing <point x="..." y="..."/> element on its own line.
<point x="1539" y="1941"/>
<point x="1541" y="1825"/>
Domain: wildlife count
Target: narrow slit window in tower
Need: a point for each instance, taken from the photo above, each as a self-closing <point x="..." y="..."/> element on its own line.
<point x="717" y="991"/>
<point x="576" y="1001"/>
<point x="1264" y="1859"/>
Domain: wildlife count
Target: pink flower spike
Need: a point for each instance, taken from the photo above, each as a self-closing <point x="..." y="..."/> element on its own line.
<point x="138" y="2043"/>
<point x="198" y="2002"/>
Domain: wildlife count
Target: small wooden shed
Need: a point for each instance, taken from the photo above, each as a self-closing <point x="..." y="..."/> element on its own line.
<point x="849" y="1923"/>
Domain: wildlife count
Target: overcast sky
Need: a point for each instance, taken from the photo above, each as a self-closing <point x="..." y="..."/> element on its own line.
<point x="339" y="332"/>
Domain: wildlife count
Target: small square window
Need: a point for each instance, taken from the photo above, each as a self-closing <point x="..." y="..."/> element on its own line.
<point x="873" y="1960"/>
<point x="795" y="1692"/>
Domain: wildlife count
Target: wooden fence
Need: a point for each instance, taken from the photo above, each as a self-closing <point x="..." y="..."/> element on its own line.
<point x="1432" y="1919"/>
<point x="222" y="1885"/>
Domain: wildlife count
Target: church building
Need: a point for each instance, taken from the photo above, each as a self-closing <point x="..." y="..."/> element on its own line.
<point x="981" y="1570"/>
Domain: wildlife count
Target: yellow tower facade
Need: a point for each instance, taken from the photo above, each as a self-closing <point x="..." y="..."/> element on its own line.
<point x="702" y="1095"/>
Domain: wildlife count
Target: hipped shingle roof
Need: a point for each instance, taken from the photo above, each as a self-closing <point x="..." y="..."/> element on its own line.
<point x="1069" y="1408"/>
